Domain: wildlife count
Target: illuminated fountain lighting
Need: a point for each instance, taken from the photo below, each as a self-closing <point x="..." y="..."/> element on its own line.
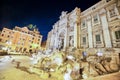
<point x="4" y="48"/>
<point x="99" y="53"/>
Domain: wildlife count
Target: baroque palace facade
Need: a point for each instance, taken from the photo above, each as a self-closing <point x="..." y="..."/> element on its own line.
<point x="21" y="39"/>
<point x="98" y="27"/>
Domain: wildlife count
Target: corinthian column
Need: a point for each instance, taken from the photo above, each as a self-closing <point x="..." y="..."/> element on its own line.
<point x="90" y="38"/>
<point x="105" y="28"/>
<point x="66" y="38"/>
<point x="76" y="35"/>
<point x="56" y="41"/>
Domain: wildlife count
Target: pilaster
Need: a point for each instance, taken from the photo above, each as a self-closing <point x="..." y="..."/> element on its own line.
<point x="56" y="41"/>
<point x="105" y="28"/>
<point x="90" y="37"/>
<point x="118" y="5"/>
<point x="66" y="39"/>
<point x="76" y="35"/>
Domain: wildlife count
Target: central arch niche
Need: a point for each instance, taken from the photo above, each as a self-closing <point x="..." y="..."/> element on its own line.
<point x="61" y="41"/>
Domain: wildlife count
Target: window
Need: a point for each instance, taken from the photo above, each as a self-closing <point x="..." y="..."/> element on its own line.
<point x="93" y="8"/>
<point x="8" y="36"/>
<point x="28" y="32"/>
<point x="33" y="34"/>
<point x="6" y="41"/>
<point x="11" y="36"/>
<point x="37" y="42"/>
<point x="95" y="19"/>
<point x="37" y="48"/>
<point x="38" y="39"/>
<point x="108" y="0"/>
<point x="0" y="39"/>
<point x="2" y="34"/>
<point x="30" y="46"/>
<point x="98" y="38"/>
<point x="117" y="34"/>
<point x="84" y="40"/>
<point x="112" y="12"/>
<point x="33" y="38"/>
<point x="22" y="44"/>
<point x="83" y="24"/>
<point x="29" y="40"/>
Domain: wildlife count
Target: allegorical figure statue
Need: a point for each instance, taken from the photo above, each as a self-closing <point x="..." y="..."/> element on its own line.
<point x="71" y="41"/>
<point x="59" y="44"/>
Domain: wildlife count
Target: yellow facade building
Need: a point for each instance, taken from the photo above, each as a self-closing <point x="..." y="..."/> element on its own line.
<point x="21" y="39"/>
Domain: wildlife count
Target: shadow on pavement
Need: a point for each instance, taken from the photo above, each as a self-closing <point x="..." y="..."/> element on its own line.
<point x="22" y="68"/>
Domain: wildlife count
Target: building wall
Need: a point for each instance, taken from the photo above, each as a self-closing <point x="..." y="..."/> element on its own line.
<point x="96" y="27"/>
<point x="21" y="39"/>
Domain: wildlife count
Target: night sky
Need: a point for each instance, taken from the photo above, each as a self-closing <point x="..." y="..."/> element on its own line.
<point x="43" y="13"/>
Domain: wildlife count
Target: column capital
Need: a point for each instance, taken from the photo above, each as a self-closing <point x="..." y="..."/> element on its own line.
<point x="89" y="18"/>
<point x="74" y="23"/>
<point x="102" y="12"/>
